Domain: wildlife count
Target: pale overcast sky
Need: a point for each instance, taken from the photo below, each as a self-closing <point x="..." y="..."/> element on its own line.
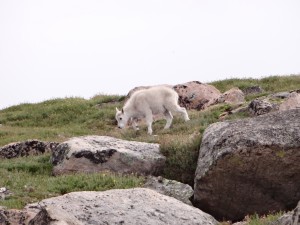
<point x="65" y="48"/>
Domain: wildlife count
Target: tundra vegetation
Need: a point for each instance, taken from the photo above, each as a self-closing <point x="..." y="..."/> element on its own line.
<point x="57" y="120"/>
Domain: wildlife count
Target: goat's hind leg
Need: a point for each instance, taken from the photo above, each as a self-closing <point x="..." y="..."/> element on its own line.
<point x="183" y="112"/>
<point x="169" y="118"/>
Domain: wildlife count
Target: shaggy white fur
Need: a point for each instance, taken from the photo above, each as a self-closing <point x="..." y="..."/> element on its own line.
<point x="144" y="103"/>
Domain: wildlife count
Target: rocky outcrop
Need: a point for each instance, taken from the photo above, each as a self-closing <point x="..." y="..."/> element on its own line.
<point x="292" y="102"/>
<point x="290" y="218"/>
<point x="232" y="96"/>
<point x="101" y="153"/>
<point x="289" y="100"/>
<point x="249" y="166"/>
<point x="172" y="188"/>
<point x="195" y="95"/>
<point x="131" y="206"/>
<point x="26" y="148"/>
<point x="252" y="90"/>
<point x="259" y="107"/>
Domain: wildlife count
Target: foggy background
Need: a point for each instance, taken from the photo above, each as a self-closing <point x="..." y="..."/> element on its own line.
<point x="76" y="48"/>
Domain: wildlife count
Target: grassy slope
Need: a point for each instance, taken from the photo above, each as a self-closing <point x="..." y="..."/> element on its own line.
<point x="60" y="119"/>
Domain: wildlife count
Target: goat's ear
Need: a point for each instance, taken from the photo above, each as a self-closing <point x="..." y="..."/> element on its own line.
<point x="117" y="110"/>
<point x="122" y="110"/>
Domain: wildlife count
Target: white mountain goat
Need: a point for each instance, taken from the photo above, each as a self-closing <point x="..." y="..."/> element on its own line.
<point x="144" y="103"/>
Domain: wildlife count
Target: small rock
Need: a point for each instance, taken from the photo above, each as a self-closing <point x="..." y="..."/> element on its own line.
<point x="4" y="193"/>
<point x="233" y="96"/>
<point x="252" y="90"/>
<point x="281" y="95"/>
<point x="259" y="107"/>
<point x="172" y="188"/>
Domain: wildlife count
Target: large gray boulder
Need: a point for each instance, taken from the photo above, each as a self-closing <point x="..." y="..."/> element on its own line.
<point x="101" y="153"/>
<point x="130" y="206"/>
<point x="249" y="166"/>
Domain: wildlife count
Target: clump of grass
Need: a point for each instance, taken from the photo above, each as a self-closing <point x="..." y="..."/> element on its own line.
<point x="263" y="220"/>
<point x="182" y="156"/>
<point x="255" y="219"/>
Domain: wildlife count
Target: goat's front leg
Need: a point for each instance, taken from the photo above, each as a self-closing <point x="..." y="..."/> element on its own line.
<point x="135" y="125"/>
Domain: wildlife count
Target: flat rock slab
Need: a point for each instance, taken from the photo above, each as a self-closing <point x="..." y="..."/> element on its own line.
<point x="101" y="153"/>
<point x="249" y="166"/>
<point x="128" y="206"/>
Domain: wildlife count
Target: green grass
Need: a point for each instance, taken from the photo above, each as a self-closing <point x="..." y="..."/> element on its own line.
<point x="264" y="220"/>
<point x="268" y="84"/>
<point x="30" y="180"/>
<point x="258" y="220"/>
<point x="59" y="119"/>
<point x="182" y="157"/>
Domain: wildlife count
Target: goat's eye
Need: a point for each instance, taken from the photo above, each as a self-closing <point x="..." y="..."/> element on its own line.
<point x="120" y="118"/>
